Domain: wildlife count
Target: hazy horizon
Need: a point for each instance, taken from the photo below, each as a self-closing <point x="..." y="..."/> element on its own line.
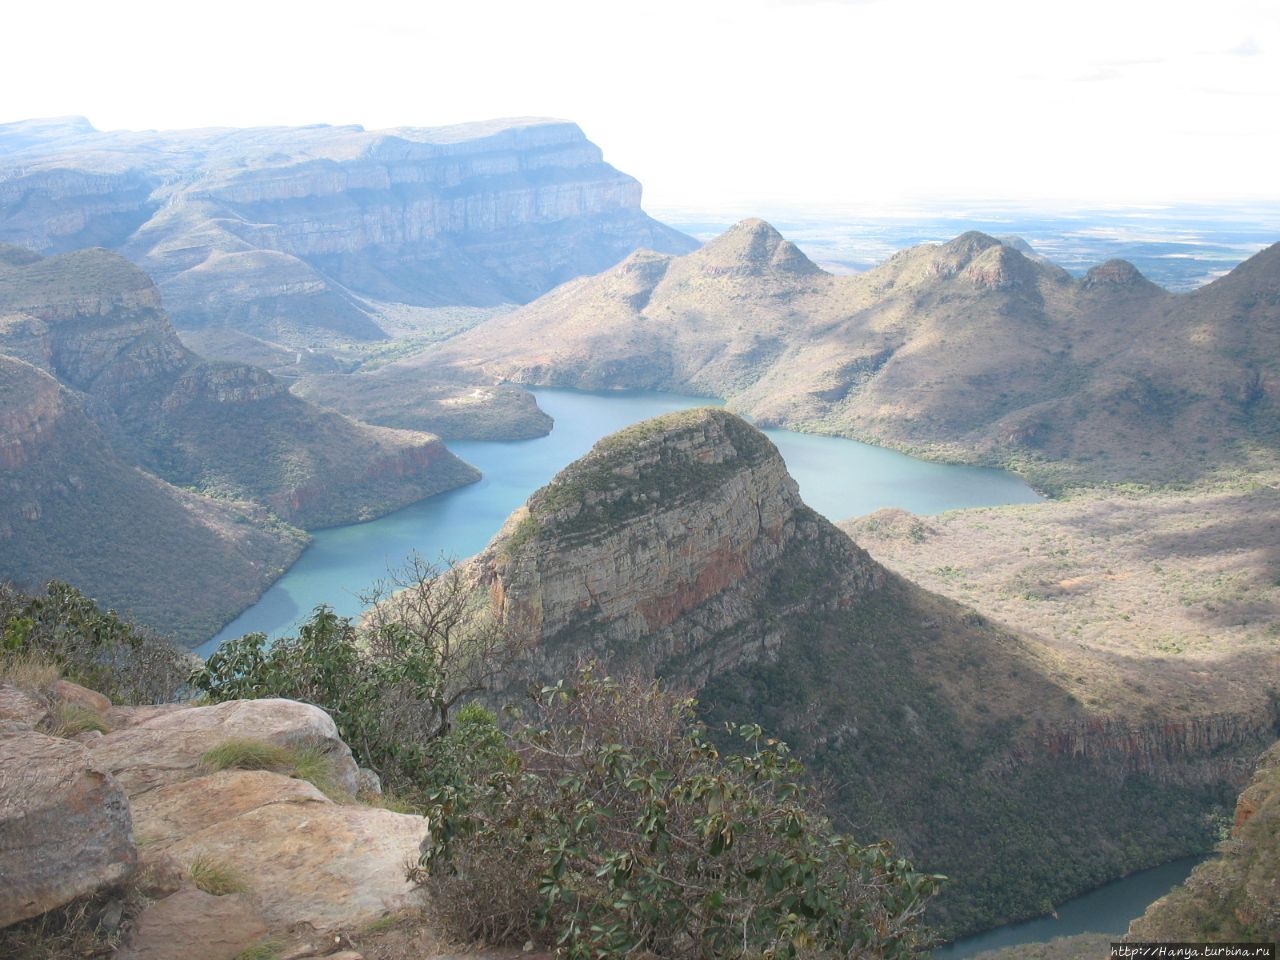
<point x="742" y="104"/>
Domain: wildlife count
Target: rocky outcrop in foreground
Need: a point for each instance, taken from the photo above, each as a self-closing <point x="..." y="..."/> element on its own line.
<point x="227" y="857"/>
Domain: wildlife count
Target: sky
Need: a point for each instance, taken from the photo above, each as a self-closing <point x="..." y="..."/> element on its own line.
<point x="719" y="104"/>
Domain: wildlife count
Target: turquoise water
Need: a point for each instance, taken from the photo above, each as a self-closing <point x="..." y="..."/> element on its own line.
<point x="838" y="478"/>
<point x="1109" y="909"/>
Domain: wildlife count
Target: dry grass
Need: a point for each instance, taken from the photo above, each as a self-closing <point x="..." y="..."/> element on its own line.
<point x="28" y="671"/>
<point x="1181" y="586"/>
<point x="70" y="719"/>
<point x="79" y="929"/>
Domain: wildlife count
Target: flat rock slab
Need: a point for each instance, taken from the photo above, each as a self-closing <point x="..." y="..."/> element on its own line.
<point x="304" y="858"/>
<point x="65" y="826"/>
<point x="166" y="747"/>
<point x="168" y="814"/>
<point x="193" y="925"/>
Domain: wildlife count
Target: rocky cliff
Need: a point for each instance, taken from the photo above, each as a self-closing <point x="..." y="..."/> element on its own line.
<point x="1233" y="897"/>
<point x="295" y="233"/>
<point x="661" y="550"/>
<point x="72" y="508"/>
<point x="968" y="350"/>
<point x="106" y="411"/>
<point x="679" y="547"/>
<point x="95" y="322"/>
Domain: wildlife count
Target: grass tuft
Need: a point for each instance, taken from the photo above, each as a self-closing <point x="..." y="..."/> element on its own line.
<point x="28" y="671"/>
<point x="70" y="719"/>
<point x="246" y="754"/>
<point x="216" y="878"/>
<point x="302" y="763"/>
<point x="262" y="950"/>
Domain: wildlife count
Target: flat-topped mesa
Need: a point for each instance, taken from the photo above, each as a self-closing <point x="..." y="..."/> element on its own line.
<point x="479" y="214"/>
<point x="662" y="548"/>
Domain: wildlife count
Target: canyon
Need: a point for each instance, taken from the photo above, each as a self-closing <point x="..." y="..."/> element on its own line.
<point x="119" y="436"/>
<point x="679" y="548"/>
<point x="967" y="351"/>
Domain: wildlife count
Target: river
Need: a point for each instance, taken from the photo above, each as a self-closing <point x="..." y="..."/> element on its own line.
<point x="838" y="478"/>
<point x="1108" y="909"/>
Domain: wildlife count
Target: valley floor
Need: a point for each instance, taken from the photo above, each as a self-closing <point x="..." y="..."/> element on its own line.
<point x="1148" y="598"/>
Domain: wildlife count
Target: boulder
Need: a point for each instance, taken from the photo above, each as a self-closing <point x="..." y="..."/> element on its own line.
<point x="21" y="709"/>
<point x="304" y="858"/>
<point x="65" y="827"/>
<point x="72" y="694"/>
<point x="324" y="864"/>
<point x="194" y="925"/>
<point x="166" y="747"/>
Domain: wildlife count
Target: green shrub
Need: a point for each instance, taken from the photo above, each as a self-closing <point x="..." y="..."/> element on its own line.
<point x="100" y="650"/>
<point x="394" y="685"/>
<point x="616" y="826"/>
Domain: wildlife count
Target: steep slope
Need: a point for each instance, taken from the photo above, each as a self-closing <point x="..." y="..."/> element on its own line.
<point x="679" y="547"/>
<point x="71" y="509"/>
<point x="1235" y="896"/>
<point x="296" y="234"/>
<point x="95" y="322"/>
<point x="966" y="350"/>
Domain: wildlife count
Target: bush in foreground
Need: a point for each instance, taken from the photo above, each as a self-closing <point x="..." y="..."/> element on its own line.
<point x="96" y="648"/>
<point x="615" y="826"/>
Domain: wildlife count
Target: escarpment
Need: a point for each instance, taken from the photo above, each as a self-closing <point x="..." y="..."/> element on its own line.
<point x="72" y="508"/>
<point x="106" y="411"/>
<point x="95" y="322"/>
<point x="680" y="547"/>
<point x="297" y="233"/>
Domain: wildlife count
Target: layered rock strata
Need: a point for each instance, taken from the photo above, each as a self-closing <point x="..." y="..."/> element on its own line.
<point x="291" y="232"/>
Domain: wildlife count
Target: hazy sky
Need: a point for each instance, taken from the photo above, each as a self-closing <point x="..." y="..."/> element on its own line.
<point x="718" y="103"/>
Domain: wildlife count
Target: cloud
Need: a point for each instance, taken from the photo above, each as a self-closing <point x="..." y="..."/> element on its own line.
<point x="1249" y="47"/>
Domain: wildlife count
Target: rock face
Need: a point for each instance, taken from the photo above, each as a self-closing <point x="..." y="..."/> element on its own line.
<point x="1235" y="896"/>
<point x="288" y="233"/>
<point x="65" y="826"/>
<point x="659" y="548"/>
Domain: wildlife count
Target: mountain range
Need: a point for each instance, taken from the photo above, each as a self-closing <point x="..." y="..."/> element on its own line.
<point x="968" y="351"/>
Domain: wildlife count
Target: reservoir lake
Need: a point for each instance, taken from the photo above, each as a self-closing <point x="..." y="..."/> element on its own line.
<point x="839" y="478"/>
